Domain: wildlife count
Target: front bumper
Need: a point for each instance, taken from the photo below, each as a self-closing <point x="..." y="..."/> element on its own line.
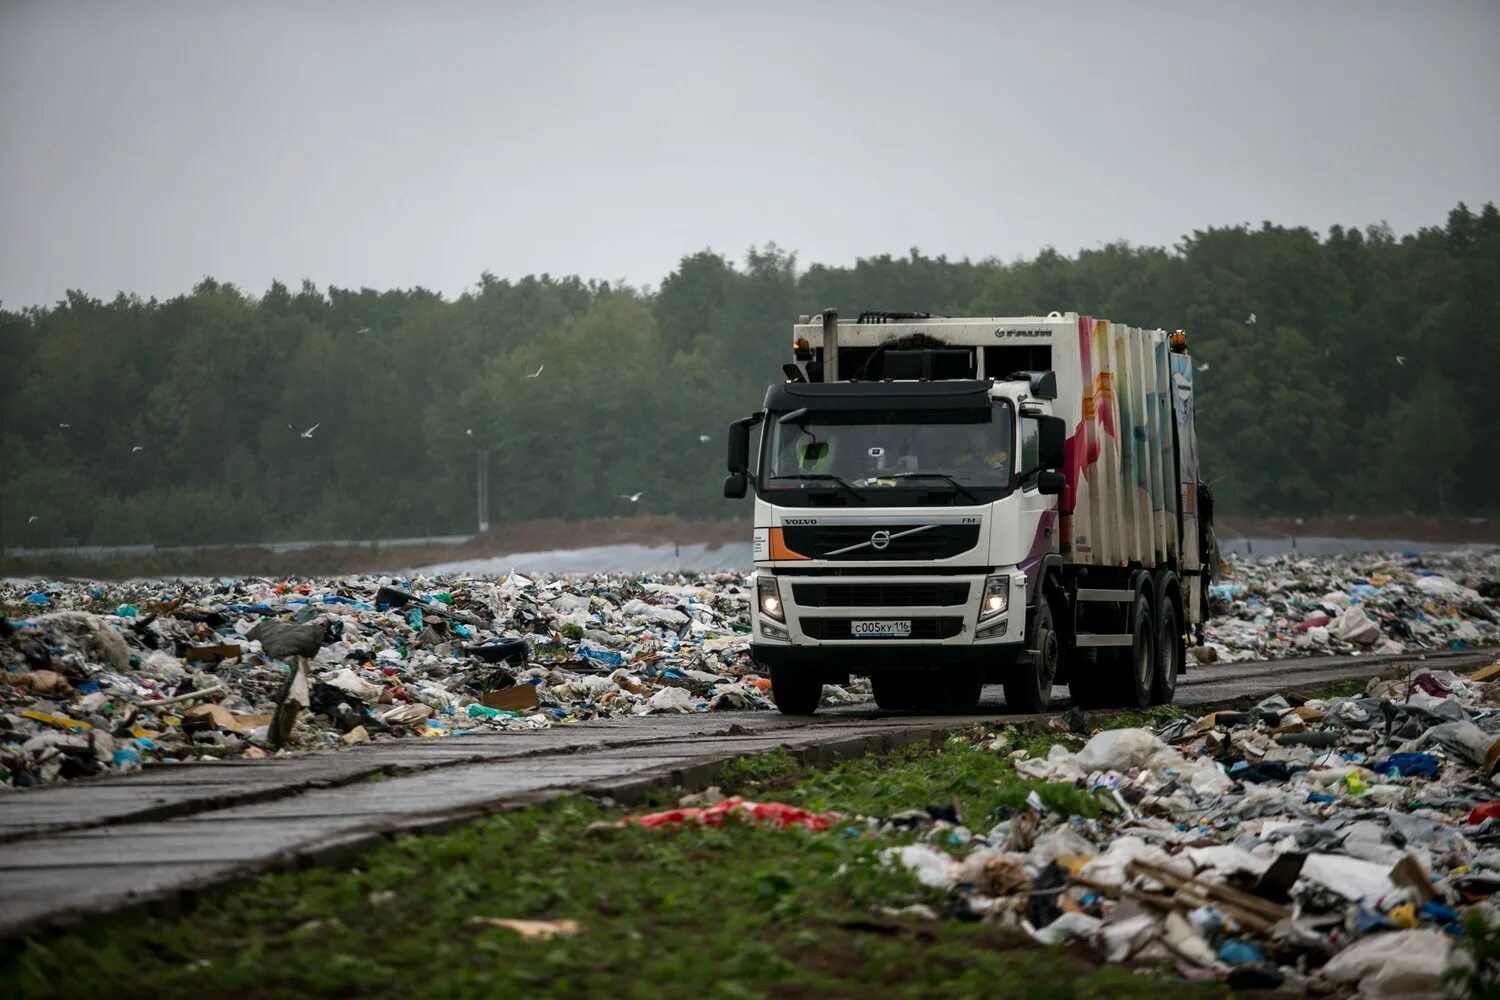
<point x="818" y="611"/>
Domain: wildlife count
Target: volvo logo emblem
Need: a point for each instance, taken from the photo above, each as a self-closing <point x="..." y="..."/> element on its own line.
<point x="880" y="539"/>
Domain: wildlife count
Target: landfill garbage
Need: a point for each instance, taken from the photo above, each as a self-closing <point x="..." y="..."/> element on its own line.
<point x="98" y="678"/>
<point x="1284" y="606"/>
<point x="1349" y="862"/>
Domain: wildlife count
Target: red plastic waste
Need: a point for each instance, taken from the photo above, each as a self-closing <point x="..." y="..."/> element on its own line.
<point x="776" y="813"/>
<point x="1482" y="812"/>
<point x="1433" y="686"/>
<point x="1313" y="621"/>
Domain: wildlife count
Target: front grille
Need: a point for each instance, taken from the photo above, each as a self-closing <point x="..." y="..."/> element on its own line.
<point x="938" y="541"/>
<point x="921" y="628"/>
<point x="880" y="595"/>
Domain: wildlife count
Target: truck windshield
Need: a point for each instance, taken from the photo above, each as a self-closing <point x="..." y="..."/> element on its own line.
<point x="963" y="453"/>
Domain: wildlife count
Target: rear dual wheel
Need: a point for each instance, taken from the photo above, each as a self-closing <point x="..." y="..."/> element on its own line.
<point x="1124" y="676"/>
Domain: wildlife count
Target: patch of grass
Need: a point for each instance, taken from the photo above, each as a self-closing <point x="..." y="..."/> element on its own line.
<point x="732" y="912"/>
<point x="981" y="782"/>
<point x="772" y="767"/>
<point x="1344" y="689"/>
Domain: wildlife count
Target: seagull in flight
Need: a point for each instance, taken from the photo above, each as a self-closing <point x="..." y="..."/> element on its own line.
<point x="363" y="329"/>
<point x="64" y="427"/>
<point x="704" y="438"/>
<point x="1401" y="359"/>
<point x="307" y="433"/>
<point x="1203" y="367"/>
<point x="537" y="373"/>
<point x="1251" y="320"/>
<point x="33" y="519"/>
<point x="632" y="497"/>
<point x="139" y="447"/>
<point x="468" y="432"/>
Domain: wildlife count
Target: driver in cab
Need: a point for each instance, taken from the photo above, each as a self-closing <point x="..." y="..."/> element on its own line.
<point x="980" y="454"/>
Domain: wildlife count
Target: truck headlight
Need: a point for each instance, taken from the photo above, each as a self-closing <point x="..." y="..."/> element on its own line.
<point x="769" y="595"/>
<point x="996" y="599"/>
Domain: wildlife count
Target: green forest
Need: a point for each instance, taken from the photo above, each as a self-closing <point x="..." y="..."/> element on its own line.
<point x="1346" y="372"/>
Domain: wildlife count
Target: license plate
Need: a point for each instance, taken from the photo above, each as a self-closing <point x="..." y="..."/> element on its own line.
<point x="880" y="630"/>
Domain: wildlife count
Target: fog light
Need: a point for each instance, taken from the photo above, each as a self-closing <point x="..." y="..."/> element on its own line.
<point x="772" y="632"/>
<point x="996" y="599"/>
<point x="992" y="631"/>
<point x="770" y="598"/>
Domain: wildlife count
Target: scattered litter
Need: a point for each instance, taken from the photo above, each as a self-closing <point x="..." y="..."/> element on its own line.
<point x="1345" y="862"/>
<point x="543" y="929"/>
<point x="737" y="810"/>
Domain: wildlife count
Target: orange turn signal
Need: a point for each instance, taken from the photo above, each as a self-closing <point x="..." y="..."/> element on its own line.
<point x="779" y="549"/>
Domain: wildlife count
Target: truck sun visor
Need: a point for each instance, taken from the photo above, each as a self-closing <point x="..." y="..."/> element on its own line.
<point x="956" y="394"/>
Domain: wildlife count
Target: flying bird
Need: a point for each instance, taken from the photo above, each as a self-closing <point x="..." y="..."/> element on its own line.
<point x="469" y="431"/>
<point x="704" y="438"/>
<point x="63" y="427"/>
<point x="363" y="329"/>
<point x="632" y="497"/>
<point x="1251" y="320"/>
<point x="1401" y="359"/>
<point x="307" y="433"/>
<point x="537" y="373"/>
<point x="1203" y="367"/>
<point x="139" y="447"/>
<point x="33" y="519"/>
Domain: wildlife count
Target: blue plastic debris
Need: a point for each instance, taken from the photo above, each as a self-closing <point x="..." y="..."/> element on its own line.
<point x="1409" y="765"/>
<point x="1237" y="952"/>
<point x="127" y="611"/>
<point x="38" y="599"/>
<point x="608" y="657"/>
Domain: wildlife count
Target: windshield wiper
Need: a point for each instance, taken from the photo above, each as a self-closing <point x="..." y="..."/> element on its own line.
<point x="931" y="475"/>
<point x="828" y="477"/>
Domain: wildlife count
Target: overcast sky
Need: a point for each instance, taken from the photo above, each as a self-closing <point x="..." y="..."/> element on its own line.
<point x="144" y="145"/>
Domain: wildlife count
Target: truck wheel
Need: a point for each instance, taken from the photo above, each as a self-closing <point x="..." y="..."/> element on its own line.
<point x="1029" y="688"/>
<point x="796" y="692"/>
<point x="1140" y="659"/>
<point x="1170" y="651"/>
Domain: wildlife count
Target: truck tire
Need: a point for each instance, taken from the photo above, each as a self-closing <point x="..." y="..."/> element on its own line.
<point x="796" y="691"/>
<point x="1028" y="688"/>
<point x="1139" y="677"/>
<point x="1170" y="650"/>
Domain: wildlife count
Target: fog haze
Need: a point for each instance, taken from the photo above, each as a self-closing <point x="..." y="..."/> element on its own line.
<point x="382" y="144"/>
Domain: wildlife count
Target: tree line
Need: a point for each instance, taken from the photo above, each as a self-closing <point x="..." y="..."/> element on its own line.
<point x="1346" y="372"/>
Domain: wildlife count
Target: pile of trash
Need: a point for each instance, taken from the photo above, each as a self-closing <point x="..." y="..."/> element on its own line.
<point x="1297" y="844"/>
<point x="108" y="677"/>
<point x="1273" y="608"/>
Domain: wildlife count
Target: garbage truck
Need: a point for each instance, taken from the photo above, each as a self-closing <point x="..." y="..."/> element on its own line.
<point x="946" y="503"/>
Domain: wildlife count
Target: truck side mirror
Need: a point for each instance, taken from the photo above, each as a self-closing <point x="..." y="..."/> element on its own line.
<point x="1052" y="434"/>
<point x="1050" y="484"/>
<point x="738" y="458"/>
